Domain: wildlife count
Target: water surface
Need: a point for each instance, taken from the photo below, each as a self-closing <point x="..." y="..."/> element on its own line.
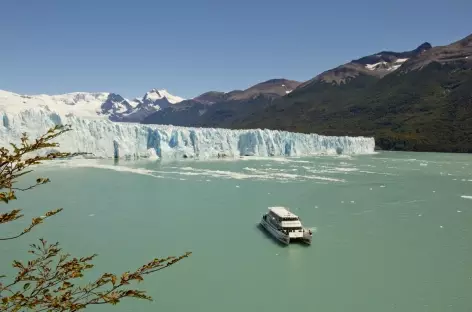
<point x="392" y="230"/>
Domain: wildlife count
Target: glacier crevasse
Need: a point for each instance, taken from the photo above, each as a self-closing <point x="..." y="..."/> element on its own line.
<point x="106" y="139"/>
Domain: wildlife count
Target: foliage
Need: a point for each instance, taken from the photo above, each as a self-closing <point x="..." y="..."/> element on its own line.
<point x="48" y="282"/>
<point x="421" y="110"/>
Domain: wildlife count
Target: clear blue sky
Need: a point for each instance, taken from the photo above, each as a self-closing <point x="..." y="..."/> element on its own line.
<point x="189" y="47"/>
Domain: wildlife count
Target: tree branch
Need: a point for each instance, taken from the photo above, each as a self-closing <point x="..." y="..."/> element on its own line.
<point x="45" y="283"/>
<point x="35" y="222"/>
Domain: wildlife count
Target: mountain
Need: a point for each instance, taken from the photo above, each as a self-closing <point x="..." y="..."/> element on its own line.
<point x="214" y="109"/>
<point x="151" y="102"/>
<point x="209" y="105"/>
<point x="376" y="65"/>
<point x="92" y="105"/>
<point x="460" y="50"/>
<point x="211" y="97"/>
<point x="425" y="104"/>
<point x="270" y="88"/>
<point x="418" y="100"/>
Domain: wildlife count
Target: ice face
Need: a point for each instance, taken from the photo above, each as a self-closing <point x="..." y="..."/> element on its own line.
<point x="106" y="139"/>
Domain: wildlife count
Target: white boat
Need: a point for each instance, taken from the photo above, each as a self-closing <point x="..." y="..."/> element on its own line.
<point x="285" y="226"/>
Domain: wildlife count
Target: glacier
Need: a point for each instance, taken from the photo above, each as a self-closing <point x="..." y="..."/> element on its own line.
<point x="106" y="139"/>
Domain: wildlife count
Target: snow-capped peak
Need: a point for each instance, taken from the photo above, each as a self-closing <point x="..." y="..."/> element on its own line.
<point x="156" y="94"/>
<point x="91" y="104"/>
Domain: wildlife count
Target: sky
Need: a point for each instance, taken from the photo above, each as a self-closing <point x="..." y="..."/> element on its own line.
<point x="190" y="47"/>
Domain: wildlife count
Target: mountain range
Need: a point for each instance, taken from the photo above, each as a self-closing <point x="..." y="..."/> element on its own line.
<point x="93" y="105"/>
<point x="418" y="100"/>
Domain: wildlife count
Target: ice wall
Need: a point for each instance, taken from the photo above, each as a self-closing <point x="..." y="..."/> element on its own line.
<point x="105" y="139"/>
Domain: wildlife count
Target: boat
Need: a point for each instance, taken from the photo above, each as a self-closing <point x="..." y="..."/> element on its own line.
<point x="285" y="226"/>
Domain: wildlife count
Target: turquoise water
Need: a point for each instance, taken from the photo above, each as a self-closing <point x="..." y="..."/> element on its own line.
<point x="393" y="230"/>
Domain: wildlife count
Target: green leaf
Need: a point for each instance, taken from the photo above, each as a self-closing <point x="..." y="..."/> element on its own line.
<point x="26" y="286"/>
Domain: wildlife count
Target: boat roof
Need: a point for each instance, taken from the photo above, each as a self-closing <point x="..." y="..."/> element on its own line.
<point x="282" y="212"/>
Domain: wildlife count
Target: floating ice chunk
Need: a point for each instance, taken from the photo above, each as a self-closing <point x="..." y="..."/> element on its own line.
<point x="466" y="196"/>
<point x="382" y="186"/>
<point x="249" y="169"/>
<point x="346" y="169"/>
<point x="91" y="215"/>
<point x="90" y="163"/>
<point x="237" y="186"/>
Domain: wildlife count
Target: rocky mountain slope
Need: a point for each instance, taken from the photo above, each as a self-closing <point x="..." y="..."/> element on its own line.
<point x="209" y="104"/>
<point x="151" y="102"/>
<point x="415" y="100"/>
<point x="197" y="112"/>
<point x="423" y="105"/>
<point x="376" y="65"/>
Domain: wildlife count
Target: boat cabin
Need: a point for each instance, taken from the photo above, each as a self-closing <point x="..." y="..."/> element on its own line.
<point x="282" y="214"/>
<point x="285" y="220"/>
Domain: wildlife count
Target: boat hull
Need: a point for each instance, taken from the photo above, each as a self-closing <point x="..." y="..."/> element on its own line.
<point x="285" y="238"/>
<point x="306" y="237"/>
<point x="280" y="236"/>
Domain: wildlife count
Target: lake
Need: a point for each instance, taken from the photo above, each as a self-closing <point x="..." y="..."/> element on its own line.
<point x="392" y="230"/>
